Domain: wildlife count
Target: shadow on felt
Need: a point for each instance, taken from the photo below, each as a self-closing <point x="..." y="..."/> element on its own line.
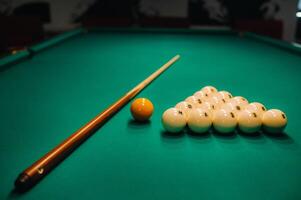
<point x="168" y="135"/>
<point x="138" y="125"/>
<point x="225" y="136"/>
<point x="16" y="194"/>
<point x="200" y="136"/>
<point x="232" y="137"/>
<point x="281" y="138"/>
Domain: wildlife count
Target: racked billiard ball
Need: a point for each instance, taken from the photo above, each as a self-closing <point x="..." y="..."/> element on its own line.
<point x="232" y="107"/>
<point x="208" y="107"/>
<point x="256" y="107"/>
<point x="238" y="101"/>
<point x="224" y="121"/>
<point x="249" y="121"/>
<point x="185" y="107"/>
<point x="209" y="90"/>
<point x="225" y="94"/>
<point x="199" y="120"/>
<point x="142" y="109"/>
<point x="201" y="95"/>
<point x="216" y="99"/>
<point x="174" y="120"/>
<point x="195" y="101"/>
<point x="274" y="121"/>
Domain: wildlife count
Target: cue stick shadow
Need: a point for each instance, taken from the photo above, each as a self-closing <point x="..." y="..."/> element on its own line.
<point x="15" y="194"/>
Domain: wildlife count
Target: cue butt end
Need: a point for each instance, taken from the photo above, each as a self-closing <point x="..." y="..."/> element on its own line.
<point x="23" y="182"/>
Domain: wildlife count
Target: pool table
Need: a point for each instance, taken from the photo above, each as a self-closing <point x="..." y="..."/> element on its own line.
<point x="50" y="89"/>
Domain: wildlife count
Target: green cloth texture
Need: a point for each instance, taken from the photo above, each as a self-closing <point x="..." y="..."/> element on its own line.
<point x="46" y="98"/>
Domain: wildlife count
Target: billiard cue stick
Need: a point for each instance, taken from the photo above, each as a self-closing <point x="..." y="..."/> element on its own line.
<point x="30" y="176"/>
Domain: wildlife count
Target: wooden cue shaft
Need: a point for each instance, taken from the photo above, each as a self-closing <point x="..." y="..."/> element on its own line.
<point x="44" y="165"/>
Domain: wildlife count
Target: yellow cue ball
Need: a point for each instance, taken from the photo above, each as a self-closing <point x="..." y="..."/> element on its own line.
<point x="142" y="109"/>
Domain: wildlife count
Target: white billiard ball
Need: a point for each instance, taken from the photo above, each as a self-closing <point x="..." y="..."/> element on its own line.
<point x="232" y="107"/>
<point x="256" y="107"/>
<point x="274" y="121"/>
<point x="226" y="95"/>
<point x="216" y="99"/>
<point x="185" y="107"/>
<point x="195" y="101"/>
<point x="218" y="96"/>
<point x="174" y="120"/>
<point x="201" y="95"/>
<point x="208" y="107"/>
<point x="209" y="90"/>
<point x="239" y="101"/>
<point x="249" y="121"/>
<point x="199" y="120"/>
<point x="224" y="121"/>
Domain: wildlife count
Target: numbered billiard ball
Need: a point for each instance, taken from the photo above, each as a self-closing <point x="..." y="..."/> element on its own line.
<point x="249" y="121"/>
<point x="256" y="107"/>
<point x="216" y="99"/>
<point x="142" y="109"/>
<point x="208" y="107"/>
<point x="174" y="120"/>
<point x="225" y="94"/>
<point x="224" y="121"/>
<point x="218" y="96"/>
<point x="199" y="121"/>
<point x="209" y="90"/>
<point x="195" y="101"/>
<point x="232" y="107"/>
<point x="201" y="95"/>
<point x="238" y="101"/>
<point x="274" y="121"/>
<point x="185" y="107"/>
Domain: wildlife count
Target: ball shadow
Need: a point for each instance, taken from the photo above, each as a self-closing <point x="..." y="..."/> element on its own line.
<point x="138" y="125"/>
<point x="201" y="138"/>
<point x="251" y="136"/>
<point x="256" y="137"/>
<point x="194" y="135"/>
<point x="169" y="135"/>
<point x="172" y="140"/>
<point x="225" y="136"/>
<point x="282" y="138"/>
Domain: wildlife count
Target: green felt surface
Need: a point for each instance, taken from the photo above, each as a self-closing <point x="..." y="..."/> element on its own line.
<point x="44" y="99"/>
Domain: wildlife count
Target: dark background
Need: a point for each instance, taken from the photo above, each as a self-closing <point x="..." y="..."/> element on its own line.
<point x="24" y="22"/>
